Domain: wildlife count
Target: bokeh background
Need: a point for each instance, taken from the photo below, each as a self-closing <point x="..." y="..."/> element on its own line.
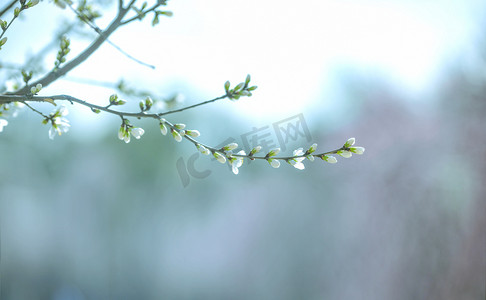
<point x="87" y="216"/>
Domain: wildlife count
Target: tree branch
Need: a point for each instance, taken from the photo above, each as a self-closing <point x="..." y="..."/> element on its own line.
<point x="24" y="99"/>
<point x="53" y="76"/>
<point x="8" y="7"/>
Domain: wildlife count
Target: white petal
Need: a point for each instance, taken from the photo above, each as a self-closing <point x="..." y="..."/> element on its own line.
<point x="121" y="132"/>
<point x="3" y="123"/>
<point x="344" y="153"/>
<point x="299" y="166"/>
<point x="63" y="111"/>
<point x="52" y="133"/>
<point x="350" y="142"/>
<point x="193" y="133"/>
<point x="330" y="159"/>
<point x="274" y="152"/>
<point x="219" y="157"/>
<point x="230" y="146"/>
<point x="176" y="135"/>
<point x="163" y="128"/>
<point x="357" y="150"/>
<point x="274" y="163"/>
<point x="299" y="152"/>
<point x="137" y="132"/>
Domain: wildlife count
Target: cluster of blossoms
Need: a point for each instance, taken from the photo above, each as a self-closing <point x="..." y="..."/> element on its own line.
<point x="226" y="154"/>
<point x="36" y="89"/>
<point x="59" y="124"/>
<point x="240" y="90"/>
<point x="126" y="129"/>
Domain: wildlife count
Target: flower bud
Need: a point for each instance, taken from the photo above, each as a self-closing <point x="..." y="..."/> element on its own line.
<point x="357" y="150"/>
<point x="219" y="157"/>
<point x="230" y="147"/>
<point x="350" y="142"/>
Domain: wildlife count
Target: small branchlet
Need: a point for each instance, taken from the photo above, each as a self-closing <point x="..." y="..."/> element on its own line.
<point x="86" y="12"/>
<point x="115" y="101"/>
<point x="4" y="25"/>
<point x="240" y="90"/>
<point x="63" y="51"/>
<point x="142" y="11"/>
<point x="26" y="76"/>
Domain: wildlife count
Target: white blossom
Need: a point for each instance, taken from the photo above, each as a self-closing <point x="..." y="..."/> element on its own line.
<point x="219" y="157"/>
<point x="230" y="147"/>
<point x="329" y="158"/>
<point x="203" y="149"/>
<point x="255" y="150"/>
<point x="60" y="124"/>
<point x="35" y="89"/>
<point x="357" y="150"/>
<point x="274" y="162"/>
<point x="3" y="123"/>
<point x="297" y="161"/>
<point x="163" y="127"/>
<point x="124" y="135"/>
<point x="345" y="153"/>
<point x="273" y="152"/>
<point x="349" y="142"/>
<point x="193" y="133"/>
<point x="237" y="161"/>
<point x="176" y="135"/>
<point x="137" y="132"/>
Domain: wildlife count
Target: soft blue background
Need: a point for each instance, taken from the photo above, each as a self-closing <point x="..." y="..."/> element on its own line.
<point x="87" y="216"/>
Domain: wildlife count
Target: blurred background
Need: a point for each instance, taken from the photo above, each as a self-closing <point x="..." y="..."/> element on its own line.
<point x="86" y="216"/>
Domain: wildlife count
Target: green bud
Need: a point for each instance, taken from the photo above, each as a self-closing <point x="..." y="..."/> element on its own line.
<point x="248" y="78"/>
<point x="113" y="98"/>
<point x="273" y="152"/>
<point x="33" y="3"/>
<point x="141" y="105"/>
<point x="149" y="103"/>
<point x="226" y="86"/>
<point x="255" y="150"/>
<point x="238" y="87"/>
<point x="16" y="12"/>
<point x="3" y="41"/>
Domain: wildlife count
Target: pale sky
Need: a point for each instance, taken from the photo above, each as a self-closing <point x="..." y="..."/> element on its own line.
<point x="291" y="49"/>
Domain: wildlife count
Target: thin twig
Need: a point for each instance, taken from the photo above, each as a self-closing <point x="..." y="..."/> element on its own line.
<point x="192" y="106"/>
<point x="138" y="17"/>
<point x="35" y="110"/>
<point x="99" y="31"/>
<point x="13" y="98"/>
<point x="53" y="76"/>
